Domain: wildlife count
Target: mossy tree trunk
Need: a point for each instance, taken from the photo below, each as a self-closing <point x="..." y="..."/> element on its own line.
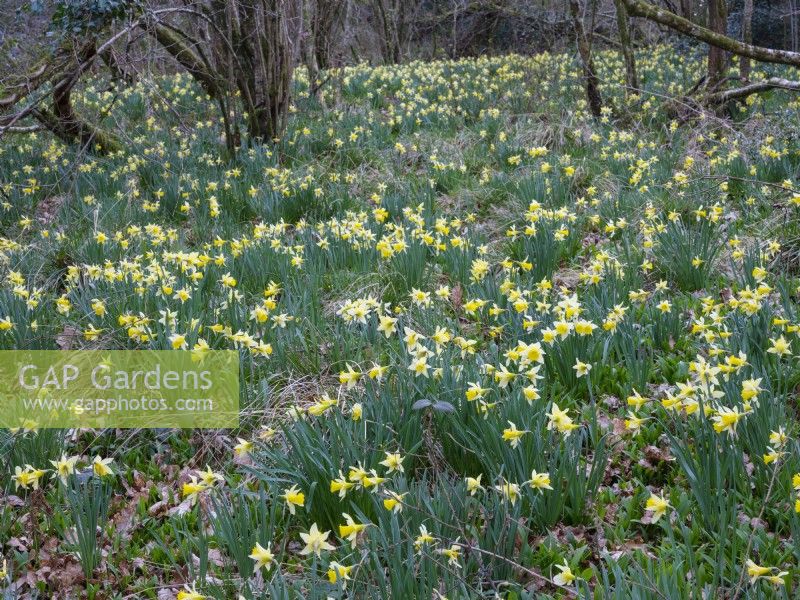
<point x="61" y="119"/>
<point x="631" y="80"/>
<point x="187" y="53"/>
<point x="717" y="57"/>
<point x="183" y="50"/>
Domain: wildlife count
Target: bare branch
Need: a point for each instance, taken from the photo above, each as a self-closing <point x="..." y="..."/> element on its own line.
<point x="24" y="129"/>
<point x="753" y="88"/>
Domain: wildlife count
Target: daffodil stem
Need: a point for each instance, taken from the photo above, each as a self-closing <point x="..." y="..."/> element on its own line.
<point x="593" y="417"/>
<point x="738" y="591"/>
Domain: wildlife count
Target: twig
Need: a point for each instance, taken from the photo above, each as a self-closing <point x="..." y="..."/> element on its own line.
<point x="526" y="570"/>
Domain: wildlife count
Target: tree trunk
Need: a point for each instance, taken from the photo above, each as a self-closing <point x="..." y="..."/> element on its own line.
<point x="328" y="17"/>
<point x="399" y="29"/>
<point x="631" y="80"/>
<point x="717" y="57"/>
<point x="252" y="63"/>
<point x="275" y="72"/>
<point x="391" y="16"/>
<point x="687" y="9"/>
<point x="383" y="19"/>
<point x="592" y="83"/>
<point x="747" y="38"/>
<point x="310" y="21"/>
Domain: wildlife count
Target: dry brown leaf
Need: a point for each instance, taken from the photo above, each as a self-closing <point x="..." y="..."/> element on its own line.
<point x="47" y="209"/>
<point x="181" y="509"/>
<point x="456" y="296"/>
<point x="157" y="508"/>
<point x="67" y="339"/>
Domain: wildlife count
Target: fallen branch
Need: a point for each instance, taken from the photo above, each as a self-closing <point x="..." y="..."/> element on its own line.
<point x="21" y="129"/>
<point x="640" y="8"/>
<point x="753" y="88"/>
<point x="31" y="82"/>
